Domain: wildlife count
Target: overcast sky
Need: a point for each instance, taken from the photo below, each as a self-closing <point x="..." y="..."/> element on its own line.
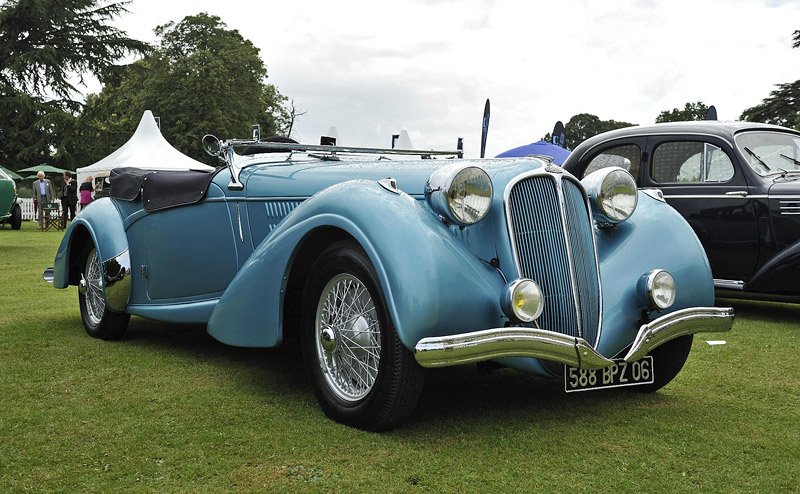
<point x="371" y="68"/>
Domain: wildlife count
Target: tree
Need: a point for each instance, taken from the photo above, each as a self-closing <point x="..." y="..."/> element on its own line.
<point x="779" y="108"/>
<point x="585" y="125"/>
<point x="44" y="45"/>
<point x="201" y="78"/>
<point x="690" y="111"/>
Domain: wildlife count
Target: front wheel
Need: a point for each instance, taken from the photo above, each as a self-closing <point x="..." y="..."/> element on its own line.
<point x="668" y="360"/>
<point x="98" y="320"/>
<point x="16" y="217"/>
<point x="362" y="374"/>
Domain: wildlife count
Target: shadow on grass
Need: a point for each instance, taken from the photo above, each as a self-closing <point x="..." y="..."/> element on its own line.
<point x="451" y="395"/>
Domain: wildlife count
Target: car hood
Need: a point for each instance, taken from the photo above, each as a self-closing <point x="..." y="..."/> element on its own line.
<point x="784" y="188"/>
<point x="305" y="179"/>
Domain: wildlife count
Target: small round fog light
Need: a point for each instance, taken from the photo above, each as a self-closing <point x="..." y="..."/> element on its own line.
<point x="523" y="300"/>
<point x="659" y="289"/>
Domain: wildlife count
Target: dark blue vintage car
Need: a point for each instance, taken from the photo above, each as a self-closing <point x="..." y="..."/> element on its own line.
<point x="736" y="183"/>
<point x="382" y="267"/>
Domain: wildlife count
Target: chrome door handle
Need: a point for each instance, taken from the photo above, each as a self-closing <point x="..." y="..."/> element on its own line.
<point x="737" y="193"/>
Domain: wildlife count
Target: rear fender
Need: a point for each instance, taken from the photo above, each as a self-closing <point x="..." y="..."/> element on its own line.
<point x="99" y="224"/>
<point x="431" y="283"/>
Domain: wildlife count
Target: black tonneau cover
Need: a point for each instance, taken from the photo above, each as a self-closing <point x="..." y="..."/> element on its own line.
<point x="159" y="189"/>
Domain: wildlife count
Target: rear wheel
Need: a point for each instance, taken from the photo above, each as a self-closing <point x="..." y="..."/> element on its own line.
<point x="16" y="217"/>
<point x="98" y="320"/>
<point x="668" y="360"/>
<point x="362" y="374"/>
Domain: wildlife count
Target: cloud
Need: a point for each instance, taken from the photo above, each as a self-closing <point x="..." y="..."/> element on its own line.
<point x="429" y="65"/>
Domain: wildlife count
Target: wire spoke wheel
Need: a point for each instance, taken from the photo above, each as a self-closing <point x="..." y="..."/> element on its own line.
<point x="98" y="320"/>
<point x="348" y="337"/>
<point x="95" y="301"/>
<point x="362" y="374"/>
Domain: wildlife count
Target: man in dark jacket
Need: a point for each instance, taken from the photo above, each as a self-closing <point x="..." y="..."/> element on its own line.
<point x="69" y="199"/>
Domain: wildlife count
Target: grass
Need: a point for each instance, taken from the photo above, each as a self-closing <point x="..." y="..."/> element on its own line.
<point x="169" y="409"/>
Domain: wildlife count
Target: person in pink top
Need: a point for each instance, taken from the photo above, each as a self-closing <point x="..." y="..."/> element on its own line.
<point x="86" y="190"/>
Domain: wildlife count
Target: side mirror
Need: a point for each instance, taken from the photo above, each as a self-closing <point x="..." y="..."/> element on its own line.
<point x="211" y="145"/>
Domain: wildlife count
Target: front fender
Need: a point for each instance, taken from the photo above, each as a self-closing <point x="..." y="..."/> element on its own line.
<point x="101" y="224"/>
<point x="431" y="283"/>
<point x="654" y="237"/>
<point x="779" y="274"/>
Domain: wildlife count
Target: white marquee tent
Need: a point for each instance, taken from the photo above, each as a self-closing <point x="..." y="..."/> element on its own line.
<point x="146" y="149"/>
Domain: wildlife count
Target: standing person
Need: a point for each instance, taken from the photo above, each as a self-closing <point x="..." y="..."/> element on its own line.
<point x="86" y="190"/>
<point x="69" y="199"/>
<point x="43" y="190"/>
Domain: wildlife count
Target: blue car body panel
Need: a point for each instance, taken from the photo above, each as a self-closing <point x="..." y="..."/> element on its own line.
<point x="427" y="286"/>
<point x="102" y="223"/>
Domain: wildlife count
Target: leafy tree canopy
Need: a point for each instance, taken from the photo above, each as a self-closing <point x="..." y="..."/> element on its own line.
<point x="201" y="78"/>
<point x="585" y="125"/>
<point x="779" y="108"/>
<point x="44" y="45"/>
<point x="45" y="42"/>
<point x="690" y="111"/>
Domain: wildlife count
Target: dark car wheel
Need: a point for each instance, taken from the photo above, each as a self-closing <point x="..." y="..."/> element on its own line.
<point x="362" y="375"/>
<point x="16" y="217"/>
<point x="98" y="320"/>
<point x="668" y="360"/>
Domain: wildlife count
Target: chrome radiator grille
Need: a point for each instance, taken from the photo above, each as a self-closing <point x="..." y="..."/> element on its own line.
<point x="552" y="236"/>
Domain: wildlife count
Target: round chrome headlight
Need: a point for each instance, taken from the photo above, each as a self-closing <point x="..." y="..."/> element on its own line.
<point x="657" y="289"/>
<point x="461" y="194"/>
<point x="523" y="300"/>
<point x="613" y="193"/>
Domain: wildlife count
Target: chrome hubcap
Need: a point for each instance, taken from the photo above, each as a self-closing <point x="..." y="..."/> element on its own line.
<point x="348" y="337"/>
<point x="92" y="283"/>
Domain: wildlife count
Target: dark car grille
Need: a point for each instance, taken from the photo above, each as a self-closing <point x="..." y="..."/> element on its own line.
<point x="552" y="235"/>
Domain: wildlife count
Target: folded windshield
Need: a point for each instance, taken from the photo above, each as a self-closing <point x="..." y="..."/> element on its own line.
<point x="769" y="152"/>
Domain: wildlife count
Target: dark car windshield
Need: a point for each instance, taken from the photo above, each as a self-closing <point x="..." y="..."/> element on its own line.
<point x="770" y="152"/>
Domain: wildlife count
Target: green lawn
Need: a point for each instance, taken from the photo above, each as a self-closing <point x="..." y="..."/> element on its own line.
<point x="170" y="409"/>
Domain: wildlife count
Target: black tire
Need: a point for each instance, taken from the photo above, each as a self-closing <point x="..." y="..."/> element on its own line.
<point x="98" y="320"/>
<point x="668" y="360"/>
<point x="341" y="363"/>
<point x="16" y="217"/>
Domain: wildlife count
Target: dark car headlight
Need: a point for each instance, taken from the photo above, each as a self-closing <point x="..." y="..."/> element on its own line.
<point x="461" y="194"/>
<point x="613" y="195"/>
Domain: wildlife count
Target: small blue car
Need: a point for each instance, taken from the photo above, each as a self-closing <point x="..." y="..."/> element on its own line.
<point x="383" y="266"/>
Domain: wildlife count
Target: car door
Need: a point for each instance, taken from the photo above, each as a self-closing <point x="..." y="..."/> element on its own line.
<point x="701" y="181"/>
<point x="190" y="250"/>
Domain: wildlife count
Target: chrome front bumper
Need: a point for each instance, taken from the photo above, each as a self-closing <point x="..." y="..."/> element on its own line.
<point x="489" y="344"/>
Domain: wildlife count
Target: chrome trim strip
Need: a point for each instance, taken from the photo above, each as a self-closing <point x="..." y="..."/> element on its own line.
<point x="729" y="284"/>
<point x="713" y="196"/>
<point x="48" y="275"/>
<point x="488" y="344"/>
<point x="679" y="323"/>
<point x="795" y="198"/>
<point x="239" y="221"/>
<point x="117" y="276"/>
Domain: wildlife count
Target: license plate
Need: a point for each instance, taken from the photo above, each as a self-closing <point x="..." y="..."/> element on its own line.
<point x="620" y="374"/>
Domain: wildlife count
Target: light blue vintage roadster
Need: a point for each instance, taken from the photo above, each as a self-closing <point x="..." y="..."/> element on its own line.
<point x="382" y="265"/>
